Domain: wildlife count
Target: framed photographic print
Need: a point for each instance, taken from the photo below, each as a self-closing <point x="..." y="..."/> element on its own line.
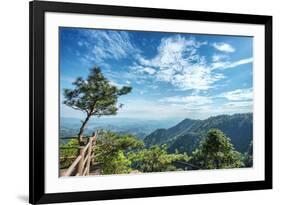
<point x="140" y="102"/>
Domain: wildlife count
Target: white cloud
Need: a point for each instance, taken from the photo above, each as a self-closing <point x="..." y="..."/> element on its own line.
<point x="239" y="62"/>
<point x="224" y="47"/>
<point x="179" y="63"/>
<point x="238" y="104"/>
<point x="119" y="85"/>
<point x="149" y="70"/>
<point x="238" y="95"/>
<point x="218" y="57"/>
<point x="228" y="64"/>
<point x="236" y="101"/>
<point x="197" y="77"/>
<point x="101" y="45"/>
<point x="143" y="69"/>
<point x="193" y="100"/>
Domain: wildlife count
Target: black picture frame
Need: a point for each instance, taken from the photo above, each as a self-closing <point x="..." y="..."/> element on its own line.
<point x="37" y="194"/>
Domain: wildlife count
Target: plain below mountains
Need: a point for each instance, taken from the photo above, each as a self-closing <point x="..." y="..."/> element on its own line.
<point x="186" y="135"/>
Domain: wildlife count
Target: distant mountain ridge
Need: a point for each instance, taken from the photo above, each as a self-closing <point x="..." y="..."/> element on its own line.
<point x="69" y="127"/>
<point x="186" y="135"/>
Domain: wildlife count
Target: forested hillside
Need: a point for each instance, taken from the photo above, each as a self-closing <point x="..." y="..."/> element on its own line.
<point x="186" y="135"/>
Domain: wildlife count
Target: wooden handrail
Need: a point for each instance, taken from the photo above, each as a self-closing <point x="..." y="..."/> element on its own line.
<point x="85" y="171"/>
<point x="84" y="158"/>
<point x="72" y="167"/>
<point x="89" y="155"/>
<point x="81" y="162"/>
<point x="87" y="146"/>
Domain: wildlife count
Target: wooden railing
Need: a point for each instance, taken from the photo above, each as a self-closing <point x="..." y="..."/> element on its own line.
<point x="82" y="164"/>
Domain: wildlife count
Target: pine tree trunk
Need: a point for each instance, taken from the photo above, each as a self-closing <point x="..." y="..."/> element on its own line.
<point x="82" y="128"/>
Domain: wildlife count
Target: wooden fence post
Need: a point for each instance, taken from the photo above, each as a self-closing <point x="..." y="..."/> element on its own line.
<point x="93" y="146"/>
<point x="81" y="162"/>
<point x="89" y="156"/>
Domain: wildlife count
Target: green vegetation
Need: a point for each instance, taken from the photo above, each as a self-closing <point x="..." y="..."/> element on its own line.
<point x="122" y="154"/>
<point x="216" y="152"/>
<point x="156" y="159"/>
<point x="68" y="152"/>
<point x="112" y="150"/>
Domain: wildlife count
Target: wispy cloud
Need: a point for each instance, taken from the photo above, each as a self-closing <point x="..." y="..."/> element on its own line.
<point x="228" y="64"/>
<point x="239" y="104"/>
<point x="119" y="85"/>
<point x="232" y="101"/>
<point x="219" y="57"/>
<point x="178" y="62"/>
<point x="239" y="62"/>
<point x="193" y="100"/>
<point x="101" y="45"/>
<point x="238" y="95"/>
<point x="142" y="69"/>
<point x="203" y="106"/>
<point x="224" y="47"/>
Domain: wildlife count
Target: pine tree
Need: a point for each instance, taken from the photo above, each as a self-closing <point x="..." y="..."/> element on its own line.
<point x="95" y="96"/>
<point x="216" y="152"/>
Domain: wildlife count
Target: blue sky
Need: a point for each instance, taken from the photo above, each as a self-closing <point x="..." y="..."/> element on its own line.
<point x="173" y="76"/>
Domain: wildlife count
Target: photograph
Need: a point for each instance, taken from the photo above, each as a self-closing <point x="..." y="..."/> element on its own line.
<point x="139" y="102"/>
<point x="132" y="102"/>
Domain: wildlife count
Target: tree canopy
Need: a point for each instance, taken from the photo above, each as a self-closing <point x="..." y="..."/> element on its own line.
<point x="111" y="152"/>
<point x="215" y="152"/>
<point x="155" y="159"/>
<point x="95" y="96"/>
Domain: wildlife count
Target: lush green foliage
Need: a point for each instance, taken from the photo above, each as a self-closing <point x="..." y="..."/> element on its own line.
<point x="155" y="159"/>
<point x="216" y="152"/>
<point x="111" y="152"/>
<point x="68" y="150"/>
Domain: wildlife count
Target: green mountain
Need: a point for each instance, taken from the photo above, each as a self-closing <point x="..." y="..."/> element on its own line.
<point x="186" y="135"/>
